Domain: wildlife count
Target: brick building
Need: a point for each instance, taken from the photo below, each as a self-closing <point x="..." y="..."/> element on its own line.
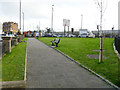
<point x="9" y="27"/>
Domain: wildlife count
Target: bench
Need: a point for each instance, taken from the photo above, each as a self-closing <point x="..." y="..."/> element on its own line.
<point x="56" y="41"/>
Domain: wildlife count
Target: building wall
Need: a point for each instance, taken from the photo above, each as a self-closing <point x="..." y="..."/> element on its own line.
<point x="10" y="26"/>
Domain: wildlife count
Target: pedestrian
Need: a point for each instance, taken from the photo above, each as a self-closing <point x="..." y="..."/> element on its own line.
<point x="37" y="35"/>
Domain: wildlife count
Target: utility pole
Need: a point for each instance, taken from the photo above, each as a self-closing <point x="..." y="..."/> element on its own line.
<point x="20" y="16"/>
<point x="52" y="21"/>
<point x="23" y="21"/>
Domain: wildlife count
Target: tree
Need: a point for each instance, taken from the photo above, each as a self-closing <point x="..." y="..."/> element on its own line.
<point x="101" y="6"/>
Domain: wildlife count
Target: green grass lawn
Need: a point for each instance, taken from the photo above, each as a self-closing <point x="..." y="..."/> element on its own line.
<point x="13" y="64"/>
<point x="79" y="48"/>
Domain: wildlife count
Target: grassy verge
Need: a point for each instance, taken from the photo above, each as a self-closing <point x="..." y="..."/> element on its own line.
<point x="79" y="48"/>
<point x="13" y="64"/>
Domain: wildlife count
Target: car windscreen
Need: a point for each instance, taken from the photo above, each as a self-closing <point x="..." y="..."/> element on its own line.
<point x="84" y="34"/>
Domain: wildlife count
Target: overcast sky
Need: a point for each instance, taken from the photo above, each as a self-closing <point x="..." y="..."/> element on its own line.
<point x="40" y="11"/>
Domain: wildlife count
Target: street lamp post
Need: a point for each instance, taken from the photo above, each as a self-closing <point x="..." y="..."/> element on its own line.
<point x="81" y="21"/>
<point x="52" y="20"/>
<point x="20" y="16"/>
<point x="23" y="21"/>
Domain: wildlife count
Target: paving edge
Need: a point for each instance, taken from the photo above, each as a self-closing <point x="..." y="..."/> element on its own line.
<point x="107" y="81"/>
<point x="17" y="84"/>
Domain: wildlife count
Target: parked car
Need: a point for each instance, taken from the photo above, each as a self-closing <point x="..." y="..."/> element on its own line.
<point x="71" y="35"/>
<point x="59" y="35"/>
<point x="54" y="35"/>
<point x="84" y="35"/>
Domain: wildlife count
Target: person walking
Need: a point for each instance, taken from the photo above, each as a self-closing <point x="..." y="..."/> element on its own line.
<point x="37" y="35"/>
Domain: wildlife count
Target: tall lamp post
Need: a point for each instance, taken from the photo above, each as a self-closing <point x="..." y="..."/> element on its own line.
<point x="23" y="21"/>
<point x="81" y="20"/>
<point x="20" y="17"/>
<point x="52" y="20"/>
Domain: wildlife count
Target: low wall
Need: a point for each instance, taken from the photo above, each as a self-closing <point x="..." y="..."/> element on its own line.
<point x="9" y="42"/>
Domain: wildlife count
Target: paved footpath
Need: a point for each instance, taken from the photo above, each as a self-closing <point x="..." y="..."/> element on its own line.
<point x="47" y="68"/>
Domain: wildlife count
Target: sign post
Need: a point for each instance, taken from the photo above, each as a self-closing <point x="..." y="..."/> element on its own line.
<point x="68" y="24"/>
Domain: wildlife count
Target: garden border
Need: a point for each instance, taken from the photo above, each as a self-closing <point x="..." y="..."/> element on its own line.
<point x="17" y="84"/>
<point x="107" y="81"/>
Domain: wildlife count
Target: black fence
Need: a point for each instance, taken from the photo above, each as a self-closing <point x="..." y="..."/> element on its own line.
<point x="117" y="44"/>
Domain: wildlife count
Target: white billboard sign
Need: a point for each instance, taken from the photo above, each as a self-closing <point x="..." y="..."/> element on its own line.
<point x="66" y="22"/>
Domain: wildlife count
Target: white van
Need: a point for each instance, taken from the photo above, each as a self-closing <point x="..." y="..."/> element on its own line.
<point x="83" y="33"/>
